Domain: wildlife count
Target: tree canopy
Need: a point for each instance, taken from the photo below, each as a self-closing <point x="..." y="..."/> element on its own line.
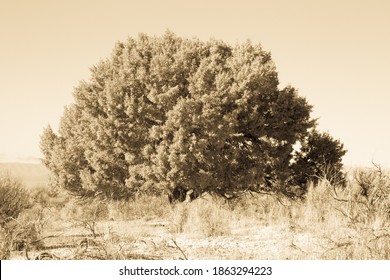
<point x="164" y="112"/>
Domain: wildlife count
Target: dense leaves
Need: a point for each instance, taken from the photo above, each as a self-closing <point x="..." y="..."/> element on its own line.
<point x="319" y="158"/>
<point x="166" y="112"/>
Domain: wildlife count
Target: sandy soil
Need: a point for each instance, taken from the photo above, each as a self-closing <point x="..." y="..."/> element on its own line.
<point x="140" y="239"/>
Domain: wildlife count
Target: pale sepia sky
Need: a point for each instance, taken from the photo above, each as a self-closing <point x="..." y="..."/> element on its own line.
<point x="337" y="53"/>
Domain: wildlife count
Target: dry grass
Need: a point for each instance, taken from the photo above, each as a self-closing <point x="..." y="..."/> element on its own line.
<point x="354" y="226"/>
<point x="330" y="223"/>
<point x="142" y="207"/>
<point x="204" y="217"/>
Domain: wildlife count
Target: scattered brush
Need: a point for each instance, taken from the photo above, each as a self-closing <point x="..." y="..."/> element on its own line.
<point x="89" y="213"/>
<point x="201" y="218"/>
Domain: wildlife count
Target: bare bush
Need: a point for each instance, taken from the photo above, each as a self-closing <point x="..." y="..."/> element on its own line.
<point x="355" y="218"/>
<point x="5" y="243"/>
<point x="88" y="213"/>
<point x="14" y="198"/>
<point x="20" y="235"/>
<point x="374" y="191"/>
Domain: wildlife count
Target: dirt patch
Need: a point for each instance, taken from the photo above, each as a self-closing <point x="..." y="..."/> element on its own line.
<point x="140" y="239"/>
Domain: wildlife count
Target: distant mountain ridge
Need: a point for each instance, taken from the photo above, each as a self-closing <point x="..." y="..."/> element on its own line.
<point x="6" y="158"/>
<point x="30" y="174"/>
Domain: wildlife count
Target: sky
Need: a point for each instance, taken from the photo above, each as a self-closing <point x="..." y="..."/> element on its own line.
<point x="336" y="53"/>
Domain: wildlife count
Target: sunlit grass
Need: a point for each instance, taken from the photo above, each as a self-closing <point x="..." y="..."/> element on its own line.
<point x="328" y="223"/>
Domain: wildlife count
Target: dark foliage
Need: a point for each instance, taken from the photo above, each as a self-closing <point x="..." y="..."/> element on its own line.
<point x="319" y="158"/>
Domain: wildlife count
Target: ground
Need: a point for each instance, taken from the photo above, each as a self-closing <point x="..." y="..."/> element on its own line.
<point x="140" y="239"/>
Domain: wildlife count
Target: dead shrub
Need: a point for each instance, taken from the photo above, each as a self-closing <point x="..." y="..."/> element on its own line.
<point x="14" y="198"/>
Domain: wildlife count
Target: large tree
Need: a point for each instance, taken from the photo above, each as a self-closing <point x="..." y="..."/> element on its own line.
<point x="164" y="112"/>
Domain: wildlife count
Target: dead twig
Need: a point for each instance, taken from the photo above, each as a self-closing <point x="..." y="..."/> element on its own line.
<point x="178" y="247"/>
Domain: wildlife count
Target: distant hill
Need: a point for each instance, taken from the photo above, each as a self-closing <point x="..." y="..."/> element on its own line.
<point x="30" y="174"/>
